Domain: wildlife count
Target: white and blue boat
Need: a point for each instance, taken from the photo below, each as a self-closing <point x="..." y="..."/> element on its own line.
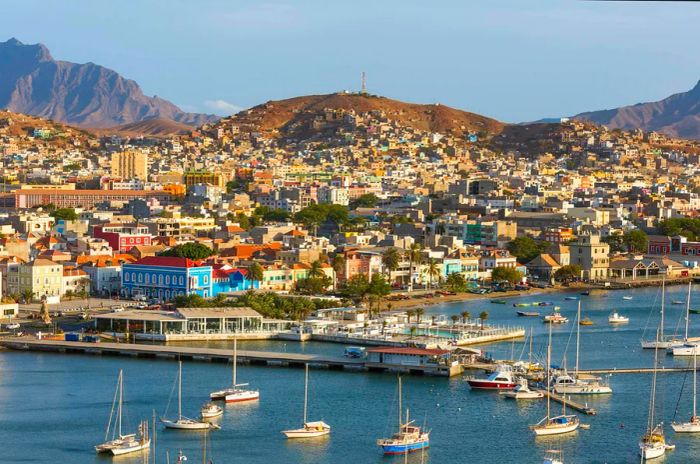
<point x="409" y="437"/>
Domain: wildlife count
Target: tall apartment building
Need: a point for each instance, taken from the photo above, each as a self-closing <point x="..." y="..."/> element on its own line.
<point x="592" y="255"/>
<point x="204" y="177"/>
<point x="130" y="165"/>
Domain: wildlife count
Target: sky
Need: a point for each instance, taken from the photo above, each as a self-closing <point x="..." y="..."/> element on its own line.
<point x="514" y="60"/>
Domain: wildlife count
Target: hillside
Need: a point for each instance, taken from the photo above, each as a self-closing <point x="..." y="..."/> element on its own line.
<point x="676" y="116"/>
<point x="86" y="95"/>
<point x="294" y="118"/>
<point x="156" y="127"/>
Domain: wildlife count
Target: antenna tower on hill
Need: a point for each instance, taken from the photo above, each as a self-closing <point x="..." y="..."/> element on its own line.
<point x="363" y="86"/>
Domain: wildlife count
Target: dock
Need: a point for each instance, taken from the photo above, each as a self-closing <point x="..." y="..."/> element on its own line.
<point x="569" y="402"/>
<point x="637" y="370"/>
<point x="258" y="358"/>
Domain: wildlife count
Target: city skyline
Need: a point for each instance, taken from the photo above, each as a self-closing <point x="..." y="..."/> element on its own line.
<point x="202" y="58"/>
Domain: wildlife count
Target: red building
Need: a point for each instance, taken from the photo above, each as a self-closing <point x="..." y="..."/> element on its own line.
<point x="123" y="237"/>
<point x="559" y="235"/>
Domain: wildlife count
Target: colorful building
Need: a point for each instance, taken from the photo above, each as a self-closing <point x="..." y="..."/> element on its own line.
<point x="123" y="237"/>
<point x="164" y="277"/>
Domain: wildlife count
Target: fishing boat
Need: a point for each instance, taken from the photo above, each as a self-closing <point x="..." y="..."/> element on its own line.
<point x="627" y="298"/>
<point x="521" y="305"/>
<point x="182" y="422"/>
<point x="120" y="443"/>
<point x="501" y="379"/>
<point x="616" y="318"/>
<point x="235" y="394"/>
<point x="662" y="342"/>
<point x="555" y="318"/>
<point x="528" y="314"/>
<point x="556" y="425"/>
<point x="653" y="443"/>
<point x="308" y="429"/>
<point x="499" y="301"/>
<point x="553" y="457"/>
<point x="693" y="425"/>
<point x="211" y="411"/>
<point x="408" y="438"/>
<point x="522" y="392"/>
<point x="571" y="298"/>
<point x="586" y="321"/>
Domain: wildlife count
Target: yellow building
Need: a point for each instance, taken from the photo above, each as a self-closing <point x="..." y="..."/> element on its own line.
<point x="204" y="177"/>
<point x="130" y="165"/>
<point x="42" y="277"/>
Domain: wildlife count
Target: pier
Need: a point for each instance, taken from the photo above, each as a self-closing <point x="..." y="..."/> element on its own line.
<point x="259" y="358"/>
<point x="568" y="402"/>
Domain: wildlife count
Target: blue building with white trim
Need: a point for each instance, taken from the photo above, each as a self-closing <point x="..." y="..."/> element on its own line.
<point x="165" y="277"/>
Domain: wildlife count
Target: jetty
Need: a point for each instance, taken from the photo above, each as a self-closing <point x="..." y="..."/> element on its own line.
<point x="584" y="408"/>
<point x="259" y="358"/>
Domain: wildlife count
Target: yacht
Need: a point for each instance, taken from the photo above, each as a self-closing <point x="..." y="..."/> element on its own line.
<point x="501" y="379"/>
<point x="617" y="318"/>
<point x="235" y="394"/>
<point x="182" y="422"/>
<point x="522" y="392"/>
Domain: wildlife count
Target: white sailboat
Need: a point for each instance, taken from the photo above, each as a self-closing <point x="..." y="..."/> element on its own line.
<point x="689" y="348"/>
<point x="559" y="424"/>
<point x="661" y="341"/>
<point x="693" y="425"/>
<point x="522" y="391"/>
<point x="122" y="444"/>
<point x="408" y="438"/>
<point x="308" y="429"/>
<point x="182" y="422"/>
<point x="575" y="385"/>
<point x="235" y="394"/>
<point x="653" y="443"/>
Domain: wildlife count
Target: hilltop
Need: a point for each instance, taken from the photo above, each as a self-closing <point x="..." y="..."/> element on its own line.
<point x="155" y="127"/>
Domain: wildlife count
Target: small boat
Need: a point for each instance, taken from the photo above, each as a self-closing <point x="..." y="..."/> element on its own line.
<point x="354" y="352"/>
<point x="528" y="314"/>
<point x="522" y="392"/>
<point x="235" y="394"/>
<point x="616" y="318"/>
<point x="499" y="301"/>
<point x="210" y="411"/>
<point x="501" y="379"/>
<point x="521" y="305"/>
<point x="694" y="311"/>
<point x="627" y="298"/>
<point x="586" y="293"/>
<point x="693" y="425"/>
<point x="571" y="298"/>
<point x="553" y="457"/>
<point x="409" y="437"/>
<point x="121" y="444"/>
<point x="545" y="303"/>
<point x="661" y="341"/>
<point x="586" y="321"/>
<point x="677" y="302"/>
<point x="308" y="429"/>
<point x="555" y="318"/>
<point x="653" y="443"/>
<point x="182" y="422"/>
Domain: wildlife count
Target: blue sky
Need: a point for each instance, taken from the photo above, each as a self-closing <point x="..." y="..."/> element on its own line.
<point x="515" y="60"/>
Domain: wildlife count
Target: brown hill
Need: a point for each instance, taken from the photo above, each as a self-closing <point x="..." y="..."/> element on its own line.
<point x="156" y="127"/>
<point x="676" y="116"/>
<point x="294" y="117"/>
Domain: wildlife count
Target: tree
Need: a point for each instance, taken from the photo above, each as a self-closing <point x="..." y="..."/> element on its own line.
<point x="687" y="227"/>
<point x="636" y="241"/>
<point x="526" y="248"/>
<point x="27" y="295"/>
<point x="483" y="316"/>
<point x="391" y="259"/>
<point x="508" y="274"/>
<point x="356" y="287"/>
<point x="454" y="318"/>
<point x="368" y="200"/>
<point x="195" y="251"/>
<point x="465" y="315"/>
<point x="616" y="242"/>
<point x="255" y="272"/>
<point x="66" y="214"/>
<point x="409" y="314"/>
<point x="567" y="273"/>
<point x="419" y="314"/>
<point x="379" y="286"/>
<point x="456" y="282"/>
<point x="316" y="270"/>
<point x="432" y="270"/>
<point x="313" y="285"/>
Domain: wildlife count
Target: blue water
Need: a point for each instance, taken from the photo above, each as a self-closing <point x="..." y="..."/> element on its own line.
<point x="53" y="407"/>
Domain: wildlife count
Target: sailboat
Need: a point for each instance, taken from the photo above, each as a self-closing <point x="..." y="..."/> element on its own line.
<point x="182" y="422"/>
<point x="235" y="394"/>
<point x="409" y="437"/>
<point x="575" y="385"/>
<point x="308" y="429"/>
<point x="653" y="443"/>
<point x="689" y="348"/>
<point x="559" y="424"/>
<point x="123" y="444"/>
<point x="692" y="426"/>
<point x="660" y="341"/>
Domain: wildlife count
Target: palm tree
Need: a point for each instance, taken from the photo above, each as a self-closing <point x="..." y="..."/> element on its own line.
<point x="389" y="306"/>
<point x="483" y="316"/>
<point x="255" y="273"/>
<point x="316" y="270"/>
<point x="383" y="326"/>
<point x="413" y="331"/>
<point x="414" y="256"/>
<point x="409" y="314"/>
<point x="432" y="271"/>
<point x="391" y="259"/>
<point x="419" y="314"/>
<point x="465" y="315"/>
<point x="432" y="320"/>
<point x="27" y="295"/>
<point x="454" y="318"/>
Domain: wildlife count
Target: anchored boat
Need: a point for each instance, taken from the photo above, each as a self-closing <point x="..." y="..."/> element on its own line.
<point x="522" y="392"/>
<point x="409" y="437"/>
<point x="211" y="411"/>
<point x="182" y="422"/>
<point x="616" y="318"/>
<point x="693" y="425"/>
<point x="501" y="379"/>
<point x="235" y="394"/>
<point x="653" y="444"/>
<point x="308" y="429"/>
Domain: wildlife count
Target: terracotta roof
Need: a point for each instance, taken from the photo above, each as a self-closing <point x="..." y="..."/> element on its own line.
<point x="167" y="261"/>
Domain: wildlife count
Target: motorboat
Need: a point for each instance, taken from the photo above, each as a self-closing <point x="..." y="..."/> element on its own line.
<point x="354" y="352"/>
<point x="408" y="438"/>
<point x="617" y="318"/>
<point x="586" y="321"/>
<point x="687" y="349"/>
<point x="528" y="314"/>
<point x="571" y="298"/>
<point x="522" y="305"/>
<point x="182" y="422"/>
<point x="627" y="298"/>
<point x="522" y="392"/>
<point x="308" y="429"/>
<point x="569" y="385"/>
<point x="210" y="411"/>
<point x="555" y="318"/>
<point x="501" y="379"/>
<point x="235" y="394"/>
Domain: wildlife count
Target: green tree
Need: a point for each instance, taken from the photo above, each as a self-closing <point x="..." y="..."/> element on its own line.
<point x="456" y="282"/>
<point x="357" y="287"/>
<point x="391" y="259"/>
<point x="483" y="316"/>
<point x="67" y="214"/>
<point x="616" y="242"/>
<point x="27" y="295"/>
<point x="687" y="227"/>
<point x="419" y="314"/>
<point x="567" y="273"/>
<point x="465" y="316"/>
<point x="368" y="200"/>
<point x="636" y="241"/>
<point x="316" y="270"/>
<point x="432" y="271"/>
<point x="409" y="314"/>
<point x="255" y="273"/>
<point x="414" y="256"/>
<point x="313" y="285"/>
<point x="379" y="286"/>
<point x="454" y="318"/>
<point x="195" y="251"/>
<point x="526" y="248"/>
<point x="508" y="274"/>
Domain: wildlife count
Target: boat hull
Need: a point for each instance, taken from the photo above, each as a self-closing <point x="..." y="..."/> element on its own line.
<point x="130" y="448"/>
<point x="686" y="427"/>
<point x="531" y="395"/>
<point x="186" y="425"/>
<point x="242" y="396"/>
<point x="583" y="390"/>
<point x="490" y="385"/>
<point x="305" y="433"/>
<point x="665" y="345"/>
<point x="404" y="448"/>
<point x="652" y="451"/>
<point x="554" y="430"/>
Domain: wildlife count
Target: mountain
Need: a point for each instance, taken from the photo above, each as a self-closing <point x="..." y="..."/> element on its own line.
<point x="298" y="118"/>
<point x="155" y="127"/>
<point x="676" y="116"/>
<point x="87" y="95"/>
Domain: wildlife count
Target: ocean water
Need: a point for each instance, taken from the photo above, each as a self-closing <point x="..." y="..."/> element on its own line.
<point x="54" y="407"/>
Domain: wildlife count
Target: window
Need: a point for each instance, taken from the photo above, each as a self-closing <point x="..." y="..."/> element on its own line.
<point x="126" y="277"/>
<point x="167" y="280"/>
<point x="160" y="279"/>
<point x="148" y="278"/>
<point x="206" y="280"/>
<point x="140" y="277"/>
<point x="182" y="280"/>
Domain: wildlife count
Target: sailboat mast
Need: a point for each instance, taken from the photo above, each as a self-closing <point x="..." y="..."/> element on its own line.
<point x="695" y="380"/>
<point x="663" y="304"/>
<point x="121" y="394"/>
<point x="578" y="334"/>
<point x="549" y="363"/>
<point x="235" y="356"/>
<point x="179" y="391"/>
<point x="306" y="389"/>
<point x="400" y="405"/>
<point x="687" y="312"/>
<point x="529" y="356"/>
<point x="155" y="437"/>
<point x="652" y="404"/>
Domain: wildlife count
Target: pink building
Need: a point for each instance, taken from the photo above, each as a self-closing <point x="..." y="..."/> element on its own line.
<point x="123" y="237"/>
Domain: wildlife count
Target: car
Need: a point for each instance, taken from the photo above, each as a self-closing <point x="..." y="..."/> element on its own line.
<point x="13" y="326"/>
